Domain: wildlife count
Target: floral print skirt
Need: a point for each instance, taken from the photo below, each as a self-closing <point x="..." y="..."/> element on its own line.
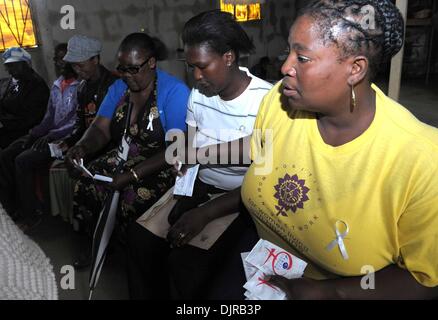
<point x="135" y="199"/>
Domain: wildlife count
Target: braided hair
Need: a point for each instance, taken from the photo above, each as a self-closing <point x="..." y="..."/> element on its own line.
<point x="373" y="28"/>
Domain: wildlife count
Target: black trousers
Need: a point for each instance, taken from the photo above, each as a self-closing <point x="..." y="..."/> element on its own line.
<point x="157" y="272"/>
<point x="7" y="137"/>
<point x="17" y="168"/>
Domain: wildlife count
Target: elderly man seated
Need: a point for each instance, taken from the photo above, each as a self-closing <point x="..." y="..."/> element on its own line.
<point x="23" y="97"/>
<point x="30" y="153"/>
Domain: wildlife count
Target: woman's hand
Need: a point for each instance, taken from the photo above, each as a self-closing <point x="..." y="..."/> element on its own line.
<point x="187" y="227"/>
<point x="121" y="181"/>
<point x="74" y="154"/>
<point x="304" y="288"/>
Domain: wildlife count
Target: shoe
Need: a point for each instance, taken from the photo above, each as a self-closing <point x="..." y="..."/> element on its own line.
<point x="84" y="261"/>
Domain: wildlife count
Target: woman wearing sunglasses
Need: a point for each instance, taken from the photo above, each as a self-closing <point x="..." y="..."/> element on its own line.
<point x="159" y="104"/>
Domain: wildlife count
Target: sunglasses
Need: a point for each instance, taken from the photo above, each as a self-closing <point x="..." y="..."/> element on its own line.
<point x="131" y="69"/>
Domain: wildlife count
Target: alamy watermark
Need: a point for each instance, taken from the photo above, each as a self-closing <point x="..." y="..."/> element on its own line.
<point x="67" y="278"/>
<point x="68" y="21"/>
<point x="368" y="21"/>
<point x="222" y="147"/>
<point x="368" y="281"/>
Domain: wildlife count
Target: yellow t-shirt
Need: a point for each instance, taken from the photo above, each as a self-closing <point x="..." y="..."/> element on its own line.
<point x="382" y="185"/>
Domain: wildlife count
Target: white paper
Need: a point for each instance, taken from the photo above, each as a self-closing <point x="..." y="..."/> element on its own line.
<point x="55" y="151"/>
<point x="250" y="296"/>
<point x="184" y="185"/>
<point x="268" y="259"/>
<point x="273" y="260"/>
<point x="80" y="166"/>
<point x="249" y="269"/>
<point x="102" y="178"/>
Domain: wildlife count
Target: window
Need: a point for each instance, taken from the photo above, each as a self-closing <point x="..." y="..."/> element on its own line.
<point x="243" y="10"/>
<point x="16" y="26"/>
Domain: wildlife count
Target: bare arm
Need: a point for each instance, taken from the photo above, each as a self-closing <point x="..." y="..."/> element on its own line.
<point x="97" y="136"/>
<point x="392" y="282"/>
<point x="228" y="153"/>
<point x="222" y="206"/>
<point x="94" y="139"/>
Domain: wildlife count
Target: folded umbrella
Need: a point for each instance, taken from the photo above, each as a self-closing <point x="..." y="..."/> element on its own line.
<point x="107" y="218"/>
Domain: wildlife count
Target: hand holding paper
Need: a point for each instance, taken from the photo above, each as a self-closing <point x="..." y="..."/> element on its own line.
<point x="268" y="259"/>
<point x="273" y="260"/>
<point x="80" y="166"/>
<point x="184" y="185"/>
<point x="258" y="288"/>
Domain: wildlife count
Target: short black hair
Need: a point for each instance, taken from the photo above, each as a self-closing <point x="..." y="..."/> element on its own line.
<point x="378" y="44"/>
<point x="141" y="41"/>
<point x="219" y="31"/>
<point x="61" y="47"/>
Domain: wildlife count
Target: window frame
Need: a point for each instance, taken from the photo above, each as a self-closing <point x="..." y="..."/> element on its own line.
<point x="31" y="17"/>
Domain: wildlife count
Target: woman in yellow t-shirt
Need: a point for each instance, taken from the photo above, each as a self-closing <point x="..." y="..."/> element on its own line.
<point x="343" y="176"/>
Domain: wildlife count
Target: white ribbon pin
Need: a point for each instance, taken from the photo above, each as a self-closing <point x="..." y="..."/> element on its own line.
<point x="339" y="241"/>
<point x="150" y="125"/>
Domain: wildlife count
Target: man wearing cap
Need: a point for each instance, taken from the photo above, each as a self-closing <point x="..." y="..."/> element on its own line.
<point x="84" y="55"/>
<point x="31" y="153"/>
<point x="23" y="97"/>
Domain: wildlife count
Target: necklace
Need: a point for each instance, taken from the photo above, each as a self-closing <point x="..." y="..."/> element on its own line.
<point x="151" y="116"/>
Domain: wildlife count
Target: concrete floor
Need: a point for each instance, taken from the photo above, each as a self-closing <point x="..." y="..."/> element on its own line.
<point x="60" y="243"/>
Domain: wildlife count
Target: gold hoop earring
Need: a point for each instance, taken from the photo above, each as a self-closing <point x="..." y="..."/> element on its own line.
<point x="353" y="105"/>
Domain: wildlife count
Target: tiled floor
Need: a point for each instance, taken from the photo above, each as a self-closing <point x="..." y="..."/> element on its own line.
<point x="60" y="243"/>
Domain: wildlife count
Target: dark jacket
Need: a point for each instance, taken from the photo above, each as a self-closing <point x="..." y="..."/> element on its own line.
<point x="90" y="96"/>
<point x="22" y="106"/>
